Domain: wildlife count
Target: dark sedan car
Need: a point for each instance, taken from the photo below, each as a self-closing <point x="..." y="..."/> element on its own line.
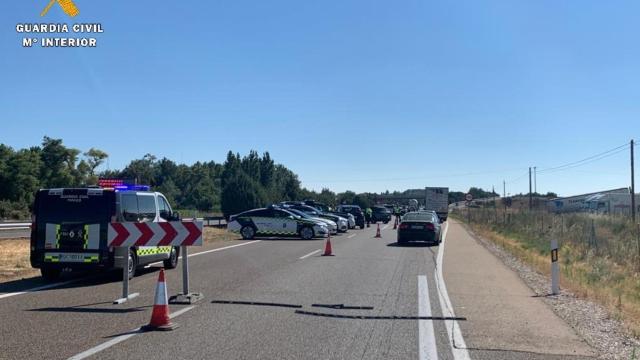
<point x="420" y="226"/>
<point x="380" y="213"/>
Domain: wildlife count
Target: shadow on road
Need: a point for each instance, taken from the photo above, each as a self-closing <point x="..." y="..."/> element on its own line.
<point x="73" y="309"/>
<point x="77" y="279"/>
<point x="412" y="244"/>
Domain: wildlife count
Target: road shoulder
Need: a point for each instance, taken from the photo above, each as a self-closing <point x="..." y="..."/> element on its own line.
<point x="503" y="313"/>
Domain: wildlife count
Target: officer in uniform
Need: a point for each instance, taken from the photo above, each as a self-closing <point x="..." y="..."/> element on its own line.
<point x="368" y="214"/>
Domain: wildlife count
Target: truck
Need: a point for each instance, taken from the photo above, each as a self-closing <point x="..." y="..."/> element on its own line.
<point x="437" y="199"/>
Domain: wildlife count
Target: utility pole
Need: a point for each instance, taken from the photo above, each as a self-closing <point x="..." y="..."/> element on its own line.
<point x="535" y="180"/>
<point x="633" y="187"/>
<point x="530" y="193"/>
<point x="504" y="189"/>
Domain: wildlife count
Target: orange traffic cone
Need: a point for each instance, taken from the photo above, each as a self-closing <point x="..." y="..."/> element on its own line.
<point x="378" y="232"/>
<point x="327" y="247"/>
<point x="160" y="316"/>
<point x="395" y="223"/>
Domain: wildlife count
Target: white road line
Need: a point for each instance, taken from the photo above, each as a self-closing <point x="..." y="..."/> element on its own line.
<point x="15" y="228"/>
<point x="458" y="346"/>
<point x="43" y="287"/>
<point x="121" y="338"/>
<point x="213" y="250"/>
<point x="309" y="254"/>
<point x="350" y="236"/>
<point x="49" y="286"/>
<point x="426" y="335"/>
<point x="385" y="227"/>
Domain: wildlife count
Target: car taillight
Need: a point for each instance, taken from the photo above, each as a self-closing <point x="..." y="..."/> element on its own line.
<point x="403" y="226"/>
<point x="430" y="226"/>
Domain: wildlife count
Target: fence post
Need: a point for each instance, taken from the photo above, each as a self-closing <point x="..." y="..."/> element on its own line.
<point x="593" y="234"/>
<point x="555" y="271"/>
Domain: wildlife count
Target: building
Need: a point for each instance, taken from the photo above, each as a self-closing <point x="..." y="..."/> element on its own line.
<point x="603" y="200"/>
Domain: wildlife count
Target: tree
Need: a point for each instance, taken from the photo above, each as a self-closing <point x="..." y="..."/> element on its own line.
<point x="58" y="163"/>
<point x="241" y="193"/>
<point x="95" y="158"/>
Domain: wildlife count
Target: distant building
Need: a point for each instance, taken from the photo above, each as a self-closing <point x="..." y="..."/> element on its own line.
<point x="603" y="201"/>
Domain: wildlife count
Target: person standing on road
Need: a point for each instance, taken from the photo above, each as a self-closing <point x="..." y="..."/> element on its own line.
<point x="396" y="212"/>
<point x="368" y="214"/>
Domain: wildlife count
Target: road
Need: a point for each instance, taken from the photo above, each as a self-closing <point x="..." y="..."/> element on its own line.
<point x="259" y="299"/>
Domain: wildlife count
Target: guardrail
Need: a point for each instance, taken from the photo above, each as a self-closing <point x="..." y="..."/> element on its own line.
<point x="15" y="226"/>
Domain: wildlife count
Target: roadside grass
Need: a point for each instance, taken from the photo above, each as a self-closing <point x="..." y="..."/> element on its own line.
<point x="14" y="254"/>
<point x="599" y="255"/>
<point x="14" y="260"/>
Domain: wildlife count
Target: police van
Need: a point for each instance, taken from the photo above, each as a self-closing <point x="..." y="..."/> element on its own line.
<point x="69" y="228"/>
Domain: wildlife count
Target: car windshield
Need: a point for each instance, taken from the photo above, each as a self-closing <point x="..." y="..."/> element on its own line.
<point x="299" y="213"/>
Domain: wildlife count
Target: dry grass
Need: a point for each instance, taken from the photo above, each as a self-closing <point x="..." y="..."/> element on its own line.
<point x="598" y="262"/>
<point x="14" y="254"/>
<point x="14" y="260"/>
<point x="213" y="235"/>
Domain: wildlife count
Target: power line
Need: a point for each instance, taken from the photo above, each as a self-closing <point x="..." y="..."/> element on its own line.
<point x="593" y="159"/>
<point x="587" y="160"/>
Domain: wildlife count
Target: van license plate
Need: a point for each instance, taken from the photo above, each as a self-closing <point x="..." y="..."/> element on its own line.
<point x="72" y="257"/>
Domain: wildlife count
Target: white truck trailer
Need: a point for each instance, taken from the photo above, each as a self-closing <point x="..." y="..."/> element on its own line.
<point x="437" y="199"/>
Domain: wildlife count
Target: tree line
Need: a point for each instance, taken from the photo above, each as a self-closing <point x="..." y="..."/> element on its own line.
<point x="238" y="184"/>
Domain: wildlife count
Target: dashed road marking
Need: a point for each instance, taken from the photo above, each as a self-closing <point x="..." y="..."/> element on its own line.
<point x="426" y="336"/>
<point x="309" y="254"/>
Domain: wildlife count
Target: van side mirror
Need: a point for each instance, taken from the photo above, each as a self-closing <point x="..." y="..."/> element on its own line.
<point x="176" y="216"/>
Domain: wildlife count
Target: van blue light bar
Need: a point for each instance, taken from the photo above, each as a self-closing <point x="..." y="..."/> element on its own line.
<point x="133" y="187"/>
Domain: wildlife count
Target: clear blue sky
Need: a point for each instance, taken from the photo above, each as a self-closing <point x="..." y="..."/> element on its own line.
<point x="361" y="95"/>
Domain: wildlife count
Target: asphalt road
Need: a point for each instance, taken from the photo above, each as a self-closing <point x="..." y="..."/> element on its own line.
<point x="259" y="304"/>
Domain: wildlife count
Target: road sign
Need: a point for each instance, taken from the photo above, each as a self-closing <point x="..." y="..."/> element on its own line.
<point x="123" y="236"/>
<point x="468" y="197"/>
<point x="174" y="233"/>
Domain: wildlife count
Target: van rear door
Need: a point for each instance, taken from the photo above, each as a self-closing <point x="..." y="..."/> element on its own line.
<point x="73" y="220"/>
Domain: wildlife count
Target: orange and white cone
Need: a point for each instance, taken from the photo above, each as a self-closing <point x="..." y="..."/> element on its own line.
<point x="378" y="232"/>
<point x="327" y="247"/>
<point x="160" y="319"/>
<point x="395" y="223"/>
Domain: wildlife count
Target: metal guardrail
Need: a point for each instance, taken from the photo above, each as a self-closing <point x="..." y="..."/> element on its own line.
<point x="15" y="226"/>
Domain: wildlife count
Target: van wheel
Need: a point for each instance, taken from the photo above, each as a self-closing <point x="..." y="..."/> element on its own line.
<point x="248" y="232"/>
<point x="50" y="274"/>
<point x="172" y="261"/>
<point x="132" y="264"/>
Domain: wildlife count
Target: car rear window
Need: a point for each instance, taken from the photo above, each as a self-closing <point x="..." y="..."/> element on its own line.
<point x="74" y="206"/>
<point x="417" y="217"/>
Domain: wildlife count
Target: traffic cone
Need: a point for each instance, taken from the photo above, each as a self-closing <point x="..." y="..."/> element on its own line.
<point x="378" y="232"/>
<point x="395" y="223"/>
<point x="160" y="316"/>
<point x="327" y="247"/>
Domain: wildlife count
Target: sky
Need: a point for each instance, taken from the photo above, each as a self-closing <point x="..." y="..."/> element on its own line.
<point x="360" y="95"/>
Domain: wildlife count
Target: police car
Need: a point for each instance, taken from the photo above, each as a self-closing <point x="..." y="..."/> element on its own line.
<point x="275" y="222"/>
<point x="69" y="228"/>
